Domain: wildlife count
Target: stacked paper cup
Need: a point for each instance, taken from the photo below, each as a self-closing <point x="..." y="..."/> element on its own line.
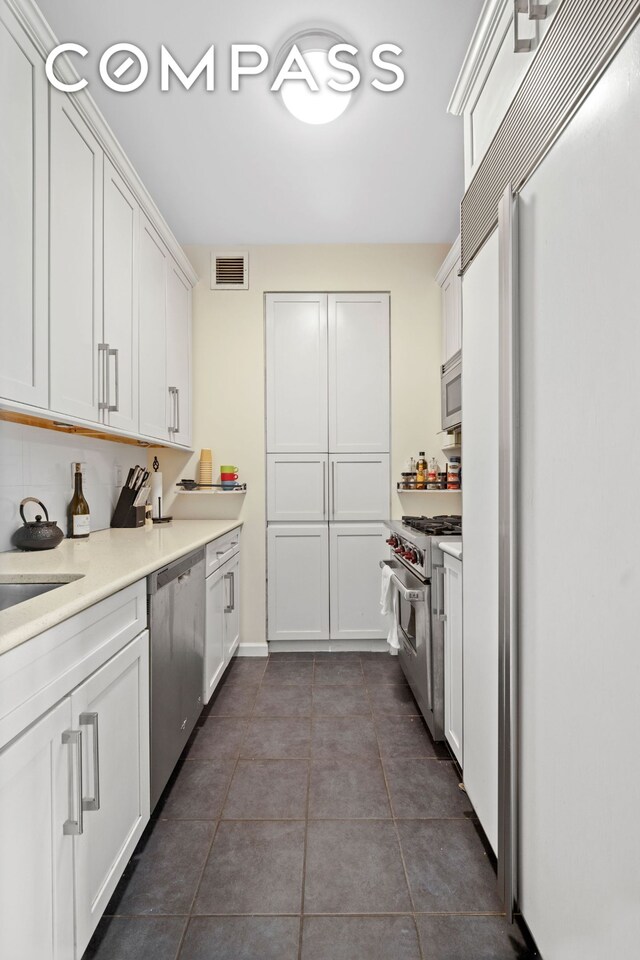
<point x="206" y="466"/>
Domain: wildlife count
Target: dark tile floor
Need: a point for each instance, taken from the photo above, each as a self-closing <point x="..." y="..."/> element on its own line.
<point x="310" y="818"/>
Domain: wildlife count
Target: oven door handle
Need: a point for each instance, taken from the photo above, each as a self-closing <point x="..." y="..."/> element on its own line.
<point x="410" y="595"/>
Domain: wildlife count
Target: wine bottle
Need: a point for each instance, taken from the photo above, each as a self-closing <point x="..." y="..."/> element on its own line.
<point x="79" y="516"/>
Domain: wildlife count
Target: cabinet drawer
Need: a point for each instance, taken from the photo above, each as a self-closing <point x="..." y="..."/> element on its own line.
<point x="221" y="550"/>
<point x="38" y="673"/>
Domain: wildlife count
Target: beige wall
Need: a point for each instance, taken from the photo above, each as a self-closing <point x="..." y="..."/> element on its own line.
<point x="228" y="375"/>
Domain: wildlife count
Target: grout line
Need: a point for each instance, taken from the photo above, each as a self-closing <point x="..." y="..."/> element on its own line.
<point x="306" y="837"/>
<point x="397" y="833"/>
<point x="215" y="833"/>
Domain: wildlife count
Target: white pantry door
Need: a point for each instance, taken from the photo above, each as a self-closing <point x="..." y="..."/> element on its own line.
<point x="296" y="357"/>
<point x="356" y="550"/>
<point x="298" y="565"/>
<point x="297" y="487"/>
<point x="359" y="372"/>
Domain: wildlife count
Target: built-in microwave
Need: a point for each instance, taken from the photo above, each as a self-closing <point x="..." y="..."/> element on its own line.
<point x="451" y="392"/>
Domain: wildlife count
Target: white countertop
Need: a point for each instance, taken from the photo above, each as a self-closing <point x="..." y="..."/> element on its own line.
<point x="107" y="562"/>
<point x="453" y="547"/>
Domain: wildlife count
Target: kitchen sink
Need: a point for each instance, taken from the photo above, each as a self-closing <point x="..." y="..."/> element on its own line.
<point x="17" y="591"/>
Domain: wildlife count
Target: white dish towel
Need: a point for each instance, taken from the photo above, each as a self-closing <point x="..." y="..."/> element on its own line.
<point x="388" y="606"/>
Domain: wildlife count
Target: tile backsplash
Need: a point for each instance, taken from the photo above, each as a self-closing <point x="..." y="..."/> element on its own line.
<point x="37" y="463"/>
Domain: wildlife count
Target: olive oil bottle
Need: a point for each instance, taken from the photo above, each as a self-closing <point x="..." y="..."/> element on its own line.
<point x="79" y="515"/>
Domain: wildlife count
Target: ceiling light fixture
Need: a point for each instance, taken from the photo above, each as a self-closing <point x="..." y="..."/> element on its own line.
<point x="325" y="104"/>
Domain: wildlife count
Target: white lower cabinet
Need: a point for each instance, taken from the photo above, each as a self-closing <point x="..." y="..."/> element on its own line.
<point x="112" y="710"/>
<point x="324" y="581"/>
<point x="36" y="872"/>
<point x="453" y="654"/>
<point x="354" y="588"/>
<point x="222" y="614"/>
<point x="298" y="571"/>
<point x="231" y="584"/>
<point x="74" y="774"/>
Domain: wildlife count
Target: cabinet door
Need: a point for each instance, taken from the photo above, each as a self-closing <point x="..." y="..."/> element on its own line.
<point x="297" y="487"/>
<point x="358" y="373"/>
<point x="214" y="662"/>
<point x="359" y="486"/>
<point x="24" y="189"/>
<point x="75" y="258"/>
<point x="356" y="552"/>
<point x="152" y="367"/>
<point x="296" y="357"/>
<point x="298" y="581"/>
<point x="36" y="876"/>
<point x="112" y="710"/>
<point x="179" y="354"/>
<point x="231" y="581"/>
<point x="453" y="655"/>
<point x="451" y="315"/>
<point x="120" y="306"/>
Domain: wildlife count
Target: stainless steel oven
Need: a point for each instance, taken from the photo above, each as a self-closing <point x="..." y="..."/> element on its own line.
<point x="421" y="647"/>
<point x="451" y="392"/>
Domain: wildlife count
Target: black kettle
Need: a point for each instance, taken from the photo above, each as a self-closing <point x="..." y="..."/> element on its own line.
<point x="39" y="534"/>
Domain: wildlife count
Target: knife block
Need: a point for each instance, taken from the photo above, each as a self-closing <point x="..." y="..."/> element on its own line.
<point x="125" y="514"/>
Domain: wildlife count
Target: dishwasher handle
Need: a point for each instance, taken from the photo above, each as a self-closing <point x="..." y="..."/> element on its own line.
<point x="160" y="578"/>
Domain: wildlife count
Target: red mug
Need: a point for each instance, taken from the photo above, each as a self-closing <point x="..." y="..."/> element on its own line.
<point x="228" y="477"/>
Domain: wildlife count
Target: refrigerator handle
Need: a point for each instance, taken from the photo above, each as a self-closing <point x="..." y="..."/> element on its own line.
<point x="508" y="460"/>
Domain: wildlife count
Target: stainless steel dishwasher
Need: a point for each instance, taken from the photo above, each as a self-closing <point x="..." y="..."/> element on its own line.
<point x="176" y="599"/>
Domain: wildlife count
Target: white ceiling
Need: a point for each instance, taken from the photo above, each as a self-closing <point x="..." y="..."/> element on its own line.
<point x="235" y="169"/>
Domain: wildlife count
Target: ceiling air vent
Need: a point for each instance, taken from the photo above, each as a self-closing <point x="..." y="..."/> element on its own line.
<point x="229" y="271"/>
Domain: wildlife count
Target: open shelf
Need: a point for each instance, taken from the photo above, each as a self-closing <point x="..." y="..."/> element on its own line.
<point x="208" y="493"/>
<point x="399" y="490"/>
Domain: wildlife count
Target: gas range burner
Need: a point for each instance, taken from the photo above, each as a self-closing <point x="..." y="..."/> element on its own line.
<point x="435" y="526"/>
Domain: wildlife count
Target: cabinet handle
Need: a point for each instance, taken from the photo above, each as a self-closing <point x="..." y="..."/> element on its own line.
<point x="232" y="593"/>
<point x="324" y="490"/>
<point x="519" y="45"/>
<point x="333" y="489"/>
<point x="91" y="720"/>
<point x="74" y="827"/>
<point x="172" y="394"/>
<point x="103" y="371"/>
<point x="439" y="611"/>
<point x="177" y="395"/>
<point x="113" y="408"/>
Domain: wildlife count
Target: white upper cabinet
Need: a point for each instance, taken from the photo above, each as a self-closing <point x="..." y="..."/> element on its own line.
<point x="296" y="353"/>
<point x="75" y="257"/>
<point x="24" y="192"/>
<point x="359" y="486"/>
<point x="297" y="487"/>
<point x="451" y="283"/>
<point x="152" y="312"/>
<point x="120" y="302"/>
<point x="493" y="70"/>
<point x="358" y="373"/>
<point x="355" y="553"/>
<point x="178" y="354"/>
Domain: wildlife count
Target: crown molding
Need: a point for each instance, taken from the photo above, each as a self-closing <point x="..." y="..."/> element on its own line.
<point x="483" y="34"/>
<point x="32" y="20"/>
